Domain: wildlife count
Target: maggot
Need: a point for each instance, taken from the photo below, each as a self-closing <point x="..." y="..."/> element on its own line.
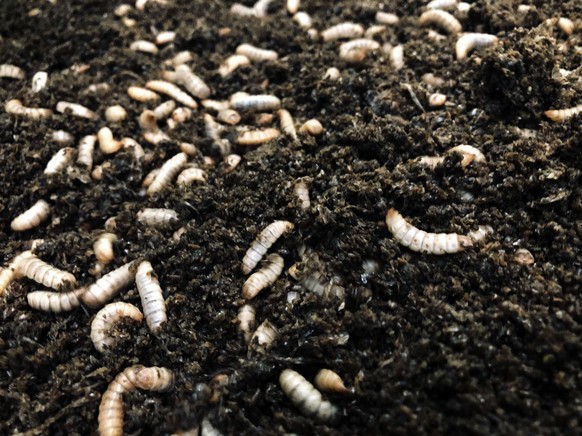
<point x="179" y="116"/>
<point x="215" y="105"/>
<point x="56" y="302"/>
<point x="470" y="154"/>
<point x="559" y="115"/>
<point x="246" y="319"/>
<point x="442" y="4"/>
<point x="228" y="116"/>
<point x="229" y="164"/>
<point x="258" y="136"/>
<point x="152" y="298"/>
<point x="342" y="30"/>
<point x="386" y="18"/>
<point x="301" y="191"/>
<point x="397" y="57"/>
<point x="264" y="277"/>
<point x="36" y="269"/>
<point x="256" y="54"/>
<point x="263" y="337"/>
<point x="76" y="110"/>
<point x="191" y="175"/>
<point x="62" y="137"/>
<point x="180" y="58"/>
<point x="106" y="318"/>
<point x="244" y="11"/>
<point x="318" y="283"/>
<point x="12" y="72"/>
<point x="107" y="144"/>
<point x="261" y="102"/>
<point x="303" y="19"/>
<point x="85" y="152"/>
<point x="231" y="63"/>
<point x="437" y="99"/>
<point x="109" y="286"/>
<point x="305" y="397"/>
<point x="103" y="247"/>
<point x="15" y="107"/>
<point x="192" y="82"/>
<point x="137" y="376"/>
<point x="332" y="74"/>
<point x="144" y="46"/>
<point x="165" y="37"/>
<point x="115" y="113"/>
<point x="263" y="242"/>
<point x="60" y="160"/>
<point x="168" y="172"/>
<point x="172" y="91"/>
<point x="164" y="110"/>
<point x="419" y="240"/>
<point x="6" y="276"/>
<point x="364" y="44"/>
<point x="293" y="6"/>
<point x="442" y="19"/>
<point x="142" y="95"/>
<point x="328" y="381"/>
<point x="471" y="41"/>
<point x="32" y="217"/>
<point x="287" y="124"/>
<point x="39" y="81"/>
<point x="149" y="125"/>
<point x="312" y="127"/>
<point x="213" y="130"/>
<point x="161" y="218"/>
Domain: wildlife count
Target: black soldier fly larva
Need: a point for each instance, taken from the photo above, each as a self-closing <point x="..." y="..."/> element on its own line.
<point x="12" y="72"/>
<point x="470" y="154"/>
<point x="213" y="131"/>
<point x="62" y="137"/>
<point x="152" y="298"/>
<point x="56" y="302"/>
<point x="103" y="247"/>
<point x="261" y="6"/>
<point x="173" y="92"/>
<point x="246" y="319"/>
<point x="107" y="144"/>
<point x="442" y="19"/>
<point x="36" y="269"/>
<point x="386" y="18"/>
<point x="164" y="110"/>
<point x="262" y="102"/>
<point x="301" y="191"/>
<point x="179" y="115"/>
<point x="312" y="127"/>
<point x="191" y="175"/>
<point x="60" y="160"/>
<point x="109" y="286"/>
<point x="215" y="105"/>
<point x="157" y="217"/>
<point x="328" y="381"/>
<point x="228" y="116"/>
<point x="105" y="319"/>
<point x="76" y="110"/>
<point x="263" y="337"/>
<point x="180" y="58"/>
<point x="293" y="6"/>
<point x="363" y="44"/>
<point x="264" y="277"/>
<point x="243" y="11"/>
<point x="471" y="41"/>
<point x="442" y="4"/>
<point x="142" y="95"/>
<point x="257" y="137"/>
<point x="332" y="74"/>
<point x="229" y="164"/>
<point x="559" y="115"/>
<point x="437" y="99"/>
<point x="317" y="283"/>
<point x="231" y="63"/>
<point x="192" y="82"/>
<point x="32" y="217"/>
<point x="263" y="242"/>
<point x="151" y="131"/>
<point x="165" y="37"/>
<point x="287" y="124"/>
<point x="144" y="46"/>
<point x="115" y="113"/>
<point x="397" y="57"/>
<point x="168" y="172"/>
<point x="7" y="274"/>
<point x="303" y="20"/>
<point x="305" y="397"/>
<point x="15" y="107"/>
<point x="85" y="151"/>
<point x="256" y="54"/>
<point x="342" y="30"/>
<point x="150" y="177"/>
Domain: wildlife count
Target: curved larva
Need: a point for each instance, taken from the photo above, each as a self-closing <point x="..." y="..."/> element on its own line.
<point x="109" y="286"/>
<point x="165" y="37"/>
<point x="328" y="381"/>
<point x="41" y="272"/>
<point x="60" y="160"/>
<point x="150" y="177"/>
<point x="107" y="144"/>
<point x="386" y="18"/>
<point x="261" y="102"/>
<point x="212" y="130"/>
<point x="103" y="247"/>
<point x="152" y="298"/>
<point x="303" y="20"/>
<point x="228" y="116"/>
<point x="15" y="107"/>
<point x="258" y="136"/>
<point x="168" y="172"/>
<point x="470" y="154"/>
<point x="144" y="46"/>
<point x="332" y="74"/>
<point x="293" y="6"/>
<point x="261" y="6"/>
<point x="32" y="217"/>
<point x="305" y="397"/>
<point x="152" y="217"/>
<point x="179" y="116"/>
<point x="39" y="81"/>
<point x="180" y="58"/>
<point x="193" y="83"/>
<point x="301" y="191"/>
<point x="232" y="63"/>
<point x="471" y="41"/>
<point x="397" y="57"/>
<point x="76" y="110"/>
<point x="559" y="115"/>
<point x="189" y="149"/>
<point x="56" y="302"/>
<point x="342" y="30"/>
<point x="191" y="175"/>
<point x="12" y="72"/>
<point x="437" y="99"/>
<point x="246" y="319"/>
<point x="62" y="137"/>
<point x="111" y="407"/>
<point x="142" y="95"/>
<point x="264" y="277"/>
<point x="312" y="127"/>
<point x="419" y="240"/>
<point x="85" y="151"/>
<point x="442" y="4"/>
<point x="244" y="11"/>
<point x="479" y="234"/>
<point x="172" y="91"/>
<point x="442" y="19"/>
<point x="263" y="242"/>
<point x="256" y="54"/>
<point x="287" y="124"/>
<point x="364" y="44"/>
<point x="230" y="163"/>
<point x="263" y="337"/>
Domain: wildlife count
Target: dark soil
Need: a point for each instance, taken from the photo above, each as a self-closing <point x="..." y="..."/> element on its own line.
<point x="467" y="343"/>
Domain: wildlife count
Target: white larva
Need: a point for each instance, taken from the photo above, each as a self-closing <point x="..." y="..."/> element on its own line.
<point x="386" y="18"/>
<point x="152" y="298"/>
<point x="232" y="63"/>
<point x="180" y="58"/>
<point x="62" y="137"/>
<point x="332" y="74"/>
<point x="109" y="286"/>
<point x="305" y="397"/>
<point x="244" y="11"/>
<point x="60" y="160"/>
<point x="164" y="110"/>
<point x="228" y="116"/>
<point x="264" y="119"/>
<point x="85" y="152"/>
<point x="39" y="82"/>
<point x="6" y="276"/>
<point x="192" y="82"/>
<point x="471" y="41"/>
<point x="179" y="116"/>
<point x="441" y="19"/>
<point x="263" y="337"/>
<point x="261" y="7"/>
<point x="342" y="30"/>
<point x="15" y="107"/>
<point x="450" y="5"/>
<point x="246" y="319"/>
<point x="115" y="113"/>
<point x="328" y="381"/>
<point x="36" y="269"/>
<point x="312" y="127"/>
<point x="156" y="217"/>
<point x="317" y="283"/>
<point x="133" y="146"/>
<point x="191" y="175"/>
<point x="257" y="137"/>
<point x="207" y="429"/>
<point x="230" y="163"/>
<point x="165" y="37"/>
<point x="106" y="318"/>
<point x="122" y="10"/>
<point x="12" y="72"/>
<point x="421" y="241"/>
<point x="303" y="20"/>
<point x="215" y="105"/>
<point x="32" y="217"/>
<point x="364" y="44"/>
<point x="107" y="144"/>
<point x="559" y="115"/>
<point x="56" y="302"/>
<point x="76" y="110"/>
<point x="150" y="177"/>
<point x="479" y="234"/>
<point x="432" y="80"/>
<point x="264" y="277"/>
<point x="354" y="56"/>
<point x="173" y="92"/>
<point x="287" y="124"/>
<point x="151" y="131"/>
<point x="213" y="130"/>
<point x="397" y="57"/>
<point x="437" y="99"/>
<point x="301" y="191"/>
<point x="261" y="102"/>
<point x="469" y="153"/>
<point x="142" y="95"/>
<point x="256" y="54"/>
<point x="189" y="149"/>
<point x="293" y="6"/>
<point x="374" y="30"/>
<point x="103" y="248"/>
<point x="137" y="376"/>
<point x="263" y="242"/>
<point x="144" y="46"/>
<point x="168" y="172"/>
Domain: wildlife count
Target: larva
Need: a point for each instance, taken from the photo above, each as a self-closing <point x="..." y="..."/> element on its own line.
<point x="261" y="102"/>
<point x="358" y="44"/>
<point x="152" y="299"/>
<point x="305" y="397"/>
<point x="173" y="92"/>
<point x="231" y="63"/>
<point x="332" y="74"/>
<point x="191" y="175"/>
<point x="374" y="30"/>
<point x="421" y="241"/>
<point x="180" y="58"/>
<point x="193" y="84"/>
<point x="263" y="242"/>
<point x="164" y="110"/>
<point x="107" y="144"/>
<point x="122" y="10"/>
<point x="179" y="116"/>
<point x="559" y="115"/>
<point x="212" y="130"/>
<point x="76" y="110"/>
<point x="293" y="6"/>
<point x="303" y="20"/>
<point x="144" y="46"/>
<point x="215" y="105"/>
<point x="479" y="234"/>
<point x="256" y="54"/>
<point x="165" y="37"/>
<point x="437" y="99"/>
<point x="442" y="4"/>
<point x="60" y="160"/>
<point x="246" y="319"/>
<point x="397" y="57"/>
<point x="228" y="116"/>
<point x="230" y="163"/>
<point x="56" y="302"/>
<point x="342" y="30"/>
<point x="168" y="172"/>
<point x="36" y="269"/>
<point x="319" y="285"/>
<point x="442" y="19"/>
<point x="386" y="18"/>
<point x="39" y="82"/>
<point x="111" y="407"/>
<point x="263" y="337"/>
<point x="62" y="137"/>
<point x="328" y="381"/>
<point x="32" y="217"/>
<point x="264" y="277"/>
<point x="109" y="286"/>
<point x="469" y="153"/>
<point x="564" y="24"/>
<point x="6" y="276"/>
<point x="301" y="191"/>
<point x="189" y="149"/>
<point x="287" y="124"/>
<point x="142" y="95"/>
<point x="261" y="6"/>
<point x="115" y="113"/>
<point x="85" y="152"/>
<point x="103" y="247"/>
<point x="244" y="11"/>
<point x="471" y="41"/>
<point x="12" y="72"/>
<point x="312" y="127"/>
<point x="258" y="136"/>
<point x="150" y="177"/>
<point x="15" y="107"/>
<point x="161" y="218"/>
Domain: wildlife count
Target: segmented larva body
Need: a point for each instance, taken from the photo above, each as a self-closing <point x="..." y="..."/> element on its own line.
<point x="312" y="127"/>
<point x="263" y="337"/>
<point x="109" y="286"/>
<point x="246" y="318"/>
<point x="85" y="152"/>
<point x="244" y="11"/>
<point x="470" y="154"/>
<point x="232" y="63"/>
<point x="15" y="107"/>
<point x="60" y="160"/>
<point x="76" y="110"/>
<point x="386" y="18"/>
<point x="193" y="83"/>
<point x="111" y="407"/>
<point x="264" y="277"/>
<point x="144" y="46"/>
<point x="179" y="116"/>
<point x="12" y="72"/>
<point x="287" y="123"/>
<point x="164" y="110"/>
<point x="56" y="302"/>
<point x="103" y="247"/>
<point x="421" y="241"/>
<point x="364" y="44"/>
<point x="191" y="175"/>
<point x="39" y="82"/>
<point x="107" y="144"/>
<point x="172" y="91"/>
<point x="215" y="105"/>
<point x="165" y="37"/>
<point x="152" y="217"/>
<point x="230" y="163"/>
<point x="480" y="234"/>
<point x="305" y="397"/>
<point x="471" y="41"/>
<point x="559" y="115"/>
<point x="332" y="74"/>
<point x="301" y="191"/>
<point x="328" y="381"/>
<point x="263" y="242"/>
<point x="437" y="99"/>
<point x="36" y="269"/>
<point x="256" y="54"/>
<point x="303" y="20"/>
<point x="6" y="276"/>
<point x="212" y="130"/>
<point x="168" y="172"/>
<point x="258" y="136"/>
<point x="228" y="116"/>
<point x="261" y="6"/>
<point x="442" y="4"/>
<point x="397" y="57"/>
<point x="342" y="30"/>
<point x="142" y="95"/>
<point x="293" y="6"/>
<point x="441" y="19"/>
<point x="261" y="102"/>
<point x="148" y="121"/>
<point x="62" y="137"/>
<point x="180" y="58"/>
<point x="152" y="298"/>
<point x="317" y="283"/>
<point x="32" y="217"/>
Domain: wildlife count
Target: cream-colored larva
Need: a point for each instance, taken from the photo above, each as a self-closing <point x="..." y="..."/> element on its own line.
<point x="36" y="269"/>
<point x="328" y="381"/>
<point x="62" y="137"/>
<point x="168" y="172"/>
<point x="246" y="318"/>
<point x="470" y="154"/>
<point x="332" y="74"/>
<point x="230" y="163"/>
<point x="312" y="127"/>
<point x="56" y="302"/>
<point x="109" y="286"/>
<point x="479" y="234"/>
<point x="192" y="82"/>
<point x="263" y="337"/>
<point x="189" y="148"/>
<point x="261" y="102"/>
<point x="6" y="276"/>
<point x="215" y="105"/>
<point x="151" y="131"/>
<point x="261" y="6"/>
<point x="419" y="240"/>
<point x="115" y="113"/>
<point x="564" y="24"/>
<point x="105" y="319"/>
<point x="152" y="298"/>
<point x="397" y="57"/>
<point x="257" y="137"/>
<point x="244" y="11"/>
<point x="107" y="144"/>
<point x="172" y="91"/>
<point x="32" y="217"/>
<point x="144" y="46"/>
<point x="471" y="41"/>
<point x="559" y="115"/>
<point x="15" y="107"/>
<point x="301" y="191"/>
<point x="150" y="177"/>
<point x="165" y="37"/>
<point x="191" y="175"/>
<point x="443" y="4"/>
<point x="228" y="116"/>
<point x="386" y="18"/>
<point x="179" y="116"/>
<point x="111" y="407"/>
<point x="180" y="58"/>
<point x="342" y="30"/>
<point x="263" y="242"/>
<point x="103" y="247"/>
<point x="12" y="72"/>
<point x="133" y="146"/>
<point x="85" y="152"/>
<point x="317" y="283"/>
<point x="155" y="217"/>
<point x="76" y="110"/>
<point x="293" y="6"/>
<point x="441" y="19"/>
<point x="364" y="44"/>
<point x="287" y="124"/>
<point x="142" y="95"/>
<point x="122" y="10"/>
<point x="256" y="54"/>
<point x="60" y="160"/>
<point x="164" y="110"/>
<point x="213" y="131"/>
<point x="437" y="99"/>
<point x="264" y="277"/>
<point x="374" y="30"/>
<point x="231" y="63"/>
<point x="303" y="19"/>
<point x="305" y="397"/>
<point x="39" y="81"/>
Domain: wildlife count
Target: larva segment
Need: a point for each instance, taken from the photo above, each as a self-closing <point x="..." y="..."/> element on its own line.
<point x="246" y="318"/>
<point x="386" y="18"/>
<point x="397" y="57"/>
<point x="312" y="127"/>
<point x="328" y="381"/>
<point x="12" y="72"/>
<point x="144" y="46"/>
<point x="107" y="144"/>
<point x="230" y="163"/>
<point x="472" y="41"/>
<point x="305" y="397"/>
<point x="441" y="19"/>
<point x="559" y="115"/>
<point x="228" y="116"/>
<point x="109" y="286"/>
<point x="30" y="266"/>
<point x="342" y="30"/>
<point x="173" y="92"/>
<point x="15" y="107"/>
<point x="264" y="277"/>
<point x="32" y="217"/>
<point x="232" y="63"/>
<point x="258" y="136"/>
<point x="104" y="320"/>
<point x="62" y="137"/>
<point x="39" y="82"/>
<point x="76" y="110"/>
<point x="263" y="242"/>
<point x="363" y="44"/>
<point x="161" y="218"/>
<point x="191" y="175"/>
<point x="256" y="54"/>
<point x="442" y="4"/>
<point x="293" y="6"/>
<point x="103" y="247"/>
<point x="152" y="299"/>
<point x="287" y="124"/>
<point x="168" y="172"/>
<point x="165" y="37"/>
<point x="213" y="130"/>
<point x="244" y="11"/>
<point x="142" y="95"/>
<point x="56" y="302"/>
<point x="164" y="110"/>
<point x="303" y="20"/>
<point x="85" y="151"/>
<point x="263" y="337"/>
<point x="60" y="160"/>
<point x="193" y="83"/>
<point x="261" y="102"/>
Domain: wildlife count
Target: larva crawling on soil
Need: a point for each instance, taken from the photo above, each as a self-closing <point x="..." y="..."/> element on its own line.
<point x="164" y="110"/>
<point x="264" y="277"/>
<point x="213" y="130"/>
<point x="287" y="124"/>
<point x="263" y="337"/>
<point x="15" y="107"/>
<point x="107" y="144"/>
<point x="157" y="218"/>
<point x="12" y="72"/>
<point x="228" y="116"/>
<point x="60" y="160"/>
<point x="165" y="37"/>
<point x="397" y="57"/>
<point x="109" y="286"/>
<point x="305" y="397"/>
<point x="142" y="95"/>
<point x="144" y="46"/>
<point x="173" y="92"/>
<point x="36" y="269"/>
<point x="193" y="83"/>
<point x="103" y="247"/>
<point x="312" y="127"/>
<point x="256" y="54"/>
<point x="231" y="63"/>
<point x="258" y="136"/>
<point x="76" y="110"/>
<point x="152" y="299"/>
<point x="560" y="115"/>
<point x="85" y="152"/>
<point x="470" y="154"/>
<point x="263" y="242"/>
<point x="111" y="407"/>
<point x="32" y="217"/>
<point x="441" y="19"/>
<point x="261" y="102"/>
<point x="191" y="175"/>
<point x="343" y="30"/>
<point x="246" y="318"/>
<point x="56" y="302"/>
<point x="229" y="164"/>
<point x="387" y="18"/>
<point x="328" y="381"/>
<point x="301" y="191"/>
<point x="168" y="172"/>
<point x="443" y="4"/>
<point x="364" y="44"/>
<point x="472" y="41"/>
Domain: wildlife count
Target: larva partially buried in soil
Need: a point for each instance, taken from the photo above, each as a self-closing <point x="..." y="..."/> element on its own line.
<point x="442" y="4"/>
<point x="287" y="123"/>
<point x="263" y="242"/>
<point x="231" y="63"/>
<point x="56" y="302"/>
<point x="164" y="110"/>
<point x="442" y="19"/>
<point x="32" y="217"/>
<point x="364" y="44"/>
<point x="104" y="320"/>
<point x="59" y="161"/>
<point x="109" y="286"/>
<point x="144" y="46"/>
<point x="328" y="381"/>
<point x="342" y="30"/>
<point x="39" y="82"/>
<point x="263" y="337"/>
<point x="142" y="95"/>
<point x="191" y="175"/>
<point x="312" y="127"/>
<point x="107" y="144"/>
<point x="560" y="115"/>
<point x="471" y="41"/>
<point x="103" y="247"/>
<point x="264" y="277"/>
<point x="158" y="218"/>
<point x="12" y="72"/>
<point x="173" y="92"/>
<point x="301" y="191"/>
<point x="213" y="131"/>
<point x="192" y="82"/>
<point x="165" y="37"/>
<point x="15" y="107"/>
<point x="246" y="318"/>
<point x="7" y="274"/>
<point x="36" y="269"/>
<point x="168" y="172"/>
<point x="76" y="109"/>
<point x="303" y="20"/>
<point x="261" y="102"/>
<point x="437" y="99"/>
<point x="256" y="54"/>
<point x="305" y="397"/>
<point x="230" y="163"/>
<point x="257" y="136"/>
<point x="152" y="298"/>
<point x="397" y="57"/>
<point x="228" y="116"/>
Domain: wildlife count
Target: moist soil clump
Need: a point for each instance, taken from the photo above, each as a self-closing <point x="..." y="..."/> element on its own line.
<point x="483" y="341"/>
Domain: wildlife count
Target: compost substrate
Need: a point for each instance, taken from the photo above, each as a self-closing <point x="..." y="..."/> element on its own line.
<point x="475" y="342"/>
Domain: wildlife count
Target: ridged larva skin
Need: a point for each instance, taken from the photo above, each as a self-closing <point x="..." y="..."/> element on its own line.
<point x="152" y="299"/>
<point x="85" y="151"/>
<point x="312" y="127"/>
<point x="157" y="217"/>
<point x="256" y="54"/>
<point x="6" y="276"/>
<point x="305" y="397"/>
<point x="142" y="95"/>
<point x="264" y="277"/>
<point x="442" y="19"/>
<point x="386" y="18"/>
<point x="109" y="286"/>
<point x="76" y="110"/>
<point x="60" y="160"/>
<point x="15" y="107"/>
<point x="559" y="115"/>
<point x="470" y="154"/>
<point x="144" y="46"/>
<point x="263" y="337"/>
<point x="107" y="144"/>
<point x="328" y="381"/>
<point x="104" y="320"/>
<point x="246" y="318"/>
<point x="263" y="242"/>
<point x="36" y="269"/>
<point x="301" y="191"/>
<point x="364" y="44"/>
<point x="192" y="82"/>
<point x="261" y="102"/>
<point x="258" y="136"/>
<point x="111" y="407"/>
<point x="471" y="41"/>
<point x="168" y="172"/>
<point x="32" y="217"/>
<point x="12" y="72"/>
<point x="228" y="116"/>
<point x="173" y="92"/>
<point x="191" y="175"/>
<point x="419" y="240"/>
<point x="103" y="247"/>
<point x="56" y="302"/>
<point x="164" y="110"/>
<point x="231" y="63"/>
<point x="287" y="124"/>
<point x="342" y="30"/>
